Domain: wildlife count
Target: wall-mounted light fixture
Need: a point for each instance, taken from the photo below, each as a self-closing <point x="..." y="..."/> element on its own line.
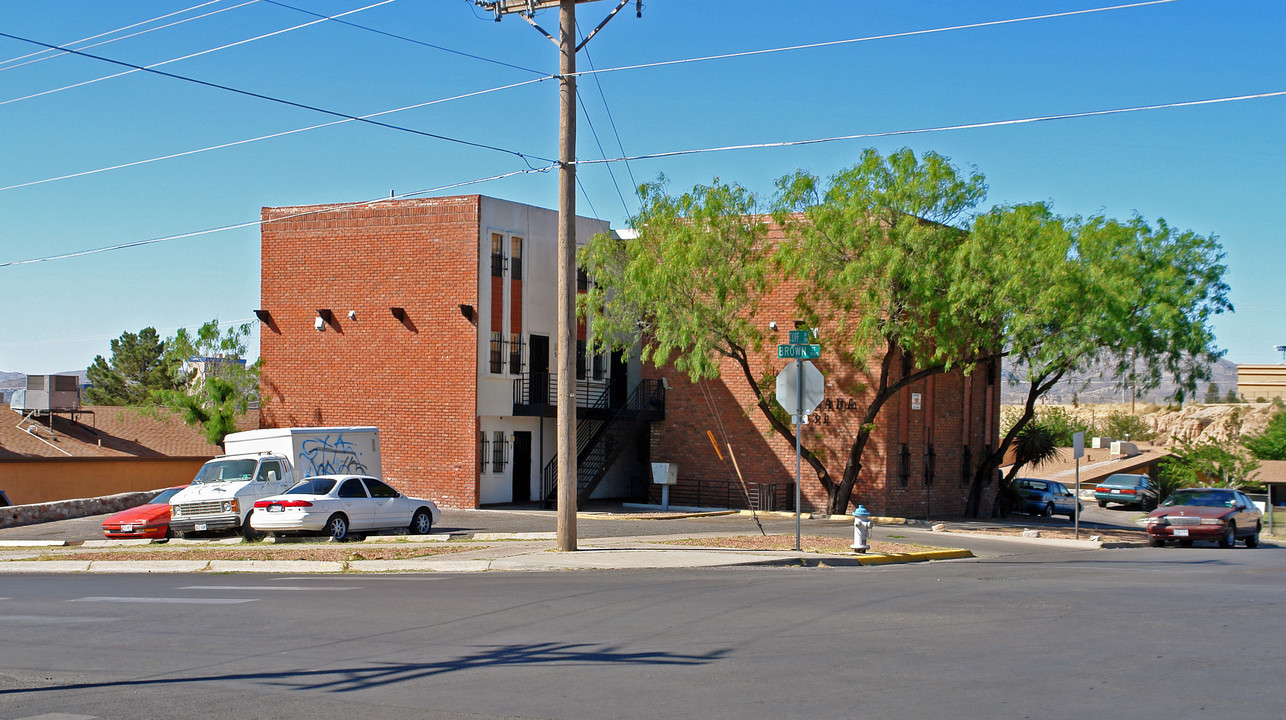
<point x="467" y="312"/>
<point x="324" y="317"/>
<point x="264" y="316"/>
<point x="399" y="313"/>
<point x="772" y="325"/>
<point x="352" y="314"/>
<point x="319" y="324"/>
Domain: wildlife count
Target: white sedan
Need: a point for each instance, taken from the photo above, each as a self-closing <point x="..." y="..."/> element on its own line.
<point x="335" y="505"/>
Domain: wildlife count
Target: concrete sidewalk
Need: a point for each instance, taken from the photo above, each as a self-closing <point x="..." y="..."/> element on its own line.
<point x="514" y="552"/>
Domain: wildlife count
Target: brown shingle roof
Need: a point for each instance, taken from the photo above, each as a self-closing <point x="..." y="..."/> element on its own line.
<point x="1096" y="465"/>
<point x="105" y="432"/>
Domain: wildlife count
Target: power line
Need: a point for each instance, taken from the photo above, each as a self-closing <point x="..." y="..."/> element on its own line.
<point x="594" y="131"/>
<point x="941" y="128"/>
<point x="269" y="136"/>
<point x="403" y="37"/>
<point x="49" y="57"/>
<point x="280" y="101"/>
<point x="870" y="38"/>
<point x="624" y="158"/>
<point x="254" y="223"/>
<point x="149" y="68"/>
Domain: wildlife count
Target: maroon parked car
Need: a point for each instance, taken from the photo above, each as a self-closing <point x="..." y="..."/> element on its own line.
<point x="1219" y="515"/>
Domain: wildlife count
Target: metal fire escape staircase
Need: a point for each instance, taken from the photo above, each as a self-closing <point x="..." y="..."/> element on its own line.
<point x="600" y="441"/>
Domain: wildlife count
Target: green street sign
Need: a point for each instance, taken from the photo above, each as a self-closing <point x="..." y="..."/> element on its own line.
<point x="800" y="337"/>
<point x="799" y="351"/>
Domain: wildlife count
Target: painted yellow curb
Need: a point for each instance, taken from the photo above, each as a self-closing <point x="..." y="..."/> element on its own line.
<point x="891" y="558"/>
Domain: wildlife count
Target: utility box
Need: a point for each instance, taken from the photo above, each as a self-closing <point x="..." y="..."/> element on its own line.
<point x="1102" y="443"/>
<point x="1124" y="449"/>
<point x="665" y="473"/>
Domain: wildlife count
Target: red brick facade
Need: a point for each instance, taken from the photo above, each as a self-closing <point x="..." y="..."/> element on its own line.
<point x="418" y="378"/>
<point x="414" y="379"/>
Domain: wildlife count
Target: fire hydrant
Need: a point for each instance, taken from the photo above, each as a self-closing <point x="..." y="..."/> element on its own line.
<point x="861" y="529"/>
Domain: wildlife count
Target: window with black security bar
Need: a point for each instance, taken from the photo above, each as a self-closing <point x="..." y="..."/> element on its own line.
<point x="497" y="255"/>
<point x="582" y="280"/>
<point x="904" y="468"/>
<point x="600" y="366"/>
<point x="515" y="258"/>
<point x="499" y="451"/>
<point x="497" y="352"/>
<point x="965" y="469"/>
<point x="515" y="354"/>
<point x="486" y="451"/>
<point x="580" y="359"/>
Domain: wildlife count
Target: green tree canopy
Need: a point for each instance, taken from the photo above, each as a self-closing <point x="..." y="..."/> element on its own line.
<point x="138" y="367"/>
<point x="215" y="385"/>
<point x="891" y="276"/>
<point x="1271" y="443"/>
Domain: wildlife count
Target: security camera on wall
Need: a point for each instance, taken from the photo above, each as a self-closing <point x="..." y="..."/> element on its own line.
<point x="319" y="323"/>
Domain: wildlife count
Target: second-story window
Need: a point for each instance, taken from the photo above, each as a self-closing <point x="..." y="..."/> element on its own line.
<point x="497" y="255"/>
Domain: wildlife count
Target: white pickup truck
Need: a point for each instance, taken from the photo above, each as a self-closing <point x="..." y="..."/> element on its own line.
<point x="260" y="463"/>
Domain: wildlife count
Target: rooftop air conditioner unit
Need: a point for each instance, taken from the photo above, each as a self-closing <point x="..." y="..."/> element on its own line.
<point x="47" y="393"/>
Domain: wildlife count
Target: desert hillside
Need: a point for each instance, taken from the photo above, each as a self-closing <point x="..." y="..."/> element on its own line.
<point x="1193" y="423"/>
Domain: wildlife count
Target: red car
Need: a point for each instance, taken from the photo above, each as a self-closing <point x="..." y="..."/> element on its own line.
<point x="145" y="521"/>
<point x="1219" y="515"/>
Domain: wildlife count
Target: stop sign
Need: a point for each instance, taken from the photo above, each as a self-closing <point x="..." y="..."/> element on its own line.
<point x="788" y="387"/>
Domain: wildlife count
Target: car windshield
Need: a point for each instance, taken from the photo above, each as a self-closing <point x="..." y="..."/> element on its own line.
<point x="1202" y="498"/>
<point x="313" y="486"/>
<point x="217" y="471"/>
<point x="164" y="496"/>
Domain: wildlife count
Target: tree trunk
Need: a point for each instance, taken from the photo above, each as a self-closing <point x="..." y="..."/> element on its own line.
<point x="1038" y="387"/>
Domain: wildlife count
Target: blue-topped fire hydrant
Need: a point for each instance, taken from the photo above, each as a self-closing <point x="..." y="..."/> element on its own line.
<point x="862" y="525"/>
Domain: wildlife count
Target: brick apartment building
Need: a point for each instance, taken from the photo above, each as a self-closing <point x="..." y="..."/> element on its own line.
<point x="434" y="319"/>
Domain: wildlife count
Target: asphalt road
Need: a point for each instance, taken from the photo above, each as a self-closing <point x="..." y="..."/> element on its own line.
<point x="1054" y="634"/>
<point x="529" y="520"/>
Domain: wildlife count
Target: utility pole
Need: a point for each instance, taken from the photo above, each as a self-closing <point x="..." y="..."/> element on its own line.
<point x="566" y="345"/>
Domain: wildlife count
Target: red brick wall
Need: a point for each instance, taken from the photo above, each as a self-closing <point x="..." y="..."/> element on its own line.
<point x="416" y="381"/>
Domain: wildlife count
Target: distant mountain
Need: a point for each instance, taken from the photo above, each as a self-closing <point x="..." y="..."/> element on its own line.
<point x="1102" y="388"/>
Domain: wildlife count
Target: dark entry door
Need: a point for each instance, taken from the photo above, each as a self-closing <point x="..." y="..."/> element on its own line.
<point x="539" y="354"/>
<point x="522" y="467"/>
<point x="619" y="387"/>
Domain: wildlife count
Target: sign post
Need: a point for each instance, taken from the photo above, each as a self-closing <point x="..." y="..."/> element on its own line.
<point x="1078" y="450"/>
<point x="802" y="389"/>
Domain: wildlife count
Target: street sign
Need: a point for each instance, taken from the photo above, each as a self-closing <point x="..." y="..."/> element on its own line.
<point x="814" y="388"/>
<point x="800" y="337"/>
<point x="799" y="351"/>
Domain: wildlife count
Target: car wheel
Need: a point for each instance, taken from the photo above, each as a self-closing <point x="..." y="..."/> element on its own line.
<point x="1156" y="542"/>
<point x="1102" y="503"/>
<point x="1252" y="540"/>
<point x="1229" y="537"/>
<point x="248" y="533"/>
<point x="422" y="523"/>
<point x="1186" y="542"/>
<point x="169" y="533"/>
<point x="1048" y="511"/>
<point x="337" y="527"/>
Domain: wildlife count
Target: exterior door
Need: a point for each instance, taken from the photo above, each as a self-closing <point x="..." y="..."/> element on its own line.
<point x="522" y="467"/>
<point x="539" y="355"/>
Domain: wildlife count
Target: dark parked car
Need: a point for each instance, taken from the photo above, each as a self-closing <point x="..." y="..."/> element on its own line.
<point x="1045" y="497"/>
<point x="1219" y="515"/>
<point x="4" y="499"/>
<point x="1127" y="489"/>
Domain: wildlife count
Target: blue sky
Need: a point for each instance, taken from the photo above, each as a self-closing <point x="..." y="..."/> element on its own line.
<point x="1214" y="168"/>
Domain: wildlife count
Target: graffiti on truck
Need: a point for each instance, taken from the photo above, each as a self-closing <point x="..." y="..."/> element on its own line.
<point x="330" y="455"/>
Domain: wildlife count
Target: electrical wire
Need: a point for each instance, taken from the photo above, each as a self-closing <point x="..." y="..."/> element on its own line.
<point x="49" y="54"/>
<point x="943" y="128"/>
<point x="870" y="38"/>
<point x="150" y="68"/>
<point x="254" y="223"/>
<point x="594" y="131"/>
<point x="290" y="103"/>
<point x="269" y="136"/>
<point x="403" y="37"/>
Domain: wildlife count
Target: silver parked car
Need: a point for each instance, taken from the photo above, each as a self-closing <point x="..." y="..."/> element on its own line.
<point x="1045" y="497"/>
